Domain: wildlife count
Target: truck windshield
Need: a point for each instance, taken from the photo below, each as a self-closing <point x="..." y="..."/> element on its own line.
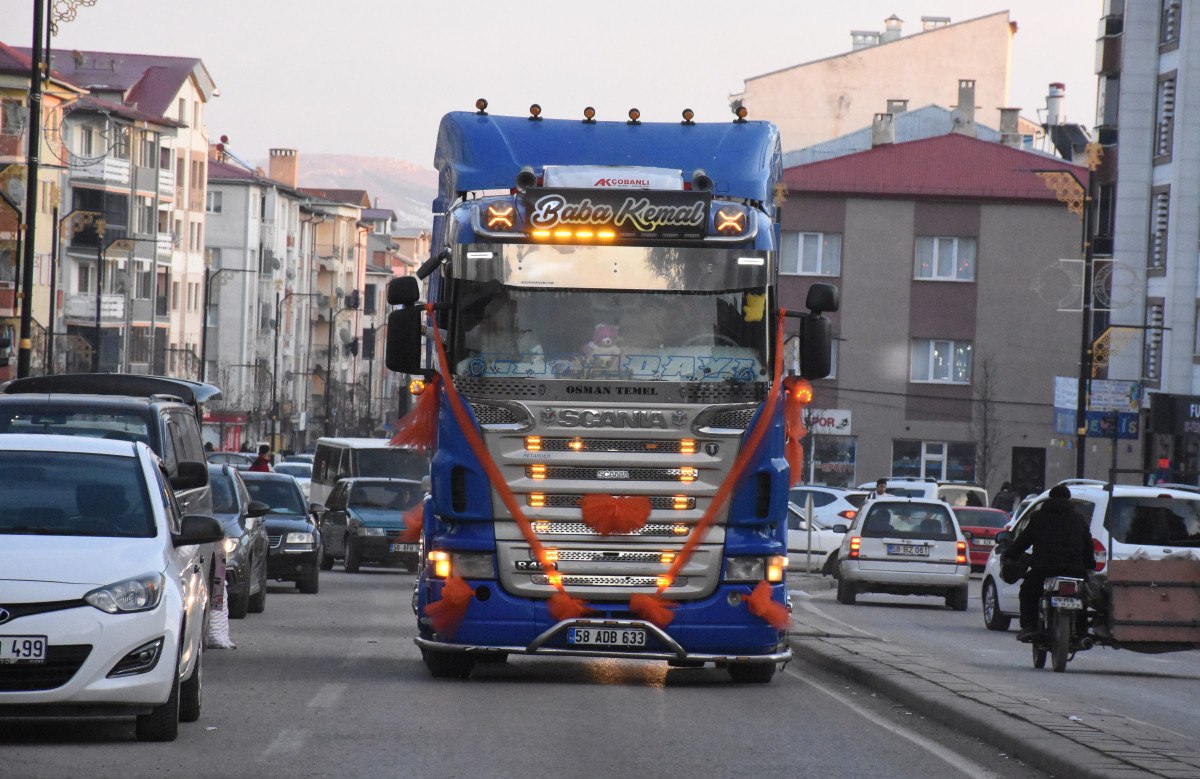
<point x="585" y="312"/>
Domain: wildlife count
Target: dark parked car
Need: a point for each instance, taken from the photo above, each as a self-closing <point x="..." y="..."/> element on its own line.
<point x="364" y="520"/>
<point x="246" y="544"/>
<point x="295" y="551"/>
<point x="239" y="460"/>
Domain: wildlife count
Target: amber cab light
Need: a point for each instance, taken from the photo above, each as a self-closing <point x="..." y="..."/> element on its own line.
<point x="775" y="567"/>
<point x="533" y="443"/>
<point x="416" y="386"/>
<point x="441" y="563"/>
<point x="501" y="216"/>
<point x="730" y="221"/>
<point x="855" y="543"/>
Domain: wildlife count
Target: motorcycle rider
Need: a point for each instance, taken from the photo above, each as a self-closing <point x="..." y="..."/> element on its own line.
<point x="1062" y="546"/>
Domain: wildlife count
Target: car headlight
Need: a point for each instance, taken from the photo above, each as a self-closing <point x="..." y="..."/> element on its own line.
<point x="230" y="545"/>
<point x="371" y="531"/>
<point x="744" y="569"/>
<point x="299" y="538"/>
<point x="141" y="593"/>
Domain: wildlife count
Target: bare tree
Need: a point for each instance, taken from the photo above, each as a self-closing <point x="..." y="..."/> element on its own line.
<point x="986" y="429"/>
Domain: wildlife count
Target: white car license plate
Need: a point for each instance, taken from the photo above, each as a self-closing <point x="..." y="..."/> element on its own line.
<point x="908" y="550"/>
<point x="983" y="541"/>
<point x="22" y="649"/>
<point x="1066" y="603"/>
<point x="631" y="637"/>
<point x="402" y="548"/>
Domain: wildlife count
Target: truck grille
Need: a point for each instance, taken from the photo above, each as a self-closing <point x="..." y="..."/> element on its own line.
<point x="62" y="662"/>
<point x="604" y="581"/>
<point x="488" y="414"/>
<point x="541" y="527"/>
<point x="622" y="445"/>
<point x="577" y="473"/>
<point x="582" y="556"/>
<point x="662" y="502"/>
<point x="737" y="419"/>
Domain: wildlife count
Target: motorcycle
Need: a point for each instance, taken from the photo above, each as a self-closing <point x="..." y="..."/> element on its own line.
<point x="1062" y="627"/>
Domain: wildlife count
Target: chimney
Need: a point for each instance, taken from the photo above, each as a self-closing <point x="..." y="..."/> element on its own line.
<point x="883" y="131"/>
<point x="1054" y="104"/>
<point x="891" y="29"/>
<point x="933" y="22"/>
<point x="863" y="39"/>
<point x="895" y="106"/>
<point x="284" y="167"/>
<point x="964" y="112"/>
<point x="1009" y="123"/>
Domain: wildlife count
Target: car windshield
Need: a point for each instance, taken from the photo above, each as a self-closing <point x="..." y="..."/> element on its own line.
<point x="70" y="494"/>
<point x="962" y="496"/>
<point x="968" y="517"/>
<point x="283" y="496"/>
<point x="384" y="496"/>
<point x="856" y="499"/>
<point x="1154" y="521"/>
<point x="392" y="463"/>
<point x="87" y="422"/>
<point x="223" y="499"/>
<point x="916" y="521"/>
<point x="611" y="312"/>
<point x="299" y="470"/>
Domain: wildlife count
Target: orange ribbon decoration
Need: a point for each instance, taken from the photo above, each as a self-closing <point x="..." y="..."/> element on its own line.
<point x="607" y="514"/>
<point x="418" y="428"/>
<point x="797" y="394"/>
<point x="414" y="521"/>
<point x="761" y="604"/>
<point x="564" y="607"/>
<point x="447" y="613"/>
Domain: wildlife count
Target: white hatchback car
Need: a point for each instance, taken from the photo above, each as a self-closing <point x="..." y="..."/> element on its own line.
<point x="905" y="546"/>
<point x="102" y="585"/>
<point x="955" y="493"/>
<point x="1129" y="519"/>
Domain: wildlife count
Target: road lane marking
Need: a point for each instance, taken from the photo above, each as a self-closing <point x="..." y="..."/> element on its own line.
<point x="288" y="741"/>
<point x="949" y="756"/>
<point x="327" y="696"/>
<point x="809" y="607"/>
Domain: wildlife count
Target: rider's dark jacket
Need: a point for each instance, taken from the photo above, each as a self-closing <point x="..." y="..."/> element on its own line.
<point x="1061" y="541"/>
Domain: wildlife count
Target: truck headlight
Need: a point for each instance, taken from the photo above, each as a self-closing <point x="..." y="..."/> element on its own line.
<point x="744" y="569"/>
<point x="299" y="538"/>
<point x="141" y="593"/>
<point x="370" y="531"/>
<point x="472" y="565"/>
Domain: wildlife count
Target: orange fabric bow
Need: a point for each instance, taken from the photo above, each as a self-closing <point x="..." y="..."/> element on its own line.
<point x="761" y="604"/>
<point x="447" y="613"/>
<point x="652" y="608"/>
<point x="607" y="514"/>
<point x="414" y="520"/>
<point x="563" y="606"/>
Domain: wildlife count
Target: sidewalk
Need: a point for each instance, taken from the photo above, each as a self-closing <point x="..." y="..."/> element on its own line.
<point x="1065" y="737"/>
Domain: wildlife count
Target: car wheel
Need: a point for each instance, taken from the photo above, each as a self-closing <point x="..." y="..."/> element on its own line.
<point x="239" y="602"/>
<point x="162" y="723"/>
<point x="258" y="601"/>
<point x="190" y="691"/>
<point x="326" y="561"/>
<point x="957" y="598"/>
<point x="448" y="665"/>
<point x="310" y="585"/>
<point x="846" y="593"/>
<point x="353" y="558"/>
<point x="993" y="618"/>
<point x="751" y="673"/>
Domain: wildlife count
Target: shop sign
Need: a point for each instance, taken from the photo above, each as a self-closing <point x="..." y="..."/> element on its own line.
<point x="828" y="421"/>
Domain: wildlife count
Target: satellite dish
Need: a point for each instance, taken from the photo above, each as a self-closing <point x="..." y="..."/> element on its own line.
<point x="275" y="263"/>
<point x="338" y="292"/>
<point x="958" y="118"/>
<point x="344" y="336"/>
<point x="322" y="300"/>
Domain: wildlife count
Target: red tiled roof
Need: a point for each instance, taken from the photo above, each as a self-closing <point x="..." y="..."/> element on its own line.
<point x="354" y="197"/>
<point x="15" y="63"/>
<point x="946" y="166"/>
<point x="224" y="170"/>
<point x="89" y="103"/>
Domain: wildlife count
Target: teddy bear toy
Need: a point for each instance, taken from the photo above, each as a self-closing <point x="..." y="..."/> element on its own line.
<point x="602" y="351"/>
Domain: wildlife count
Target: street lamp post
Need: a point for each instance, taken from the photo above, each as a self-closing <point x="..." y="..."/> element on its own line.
<point x="279" y="301"/>
<point x="208" y="278"/>
<point x="25" y="345"/>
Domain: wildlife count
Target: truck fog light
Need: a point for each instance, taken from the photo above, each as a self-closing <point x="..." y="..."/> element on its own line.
<point x="775" y="567"/>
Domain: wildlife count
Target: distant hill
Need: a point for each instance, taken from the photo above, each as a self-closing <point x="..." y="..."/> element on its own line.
<point x="406" y="188"/>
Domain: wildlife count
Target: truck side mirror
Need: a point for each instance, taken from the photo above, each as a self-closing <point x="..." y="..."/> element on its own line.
<point x="403" y="351"/>
<point x="822" y="297"/>
<point x="816" y="346"/>
<point x="403" y="291"/>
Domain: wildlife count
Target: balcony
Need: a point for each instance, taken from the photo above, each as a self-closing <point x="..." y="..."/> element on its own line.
<point x="166" y="184"/>
<point x="165" y="242"/>
<point x="1108" y="53"/>
<point x="109" y="170"/>
<point x="82" y="307"/>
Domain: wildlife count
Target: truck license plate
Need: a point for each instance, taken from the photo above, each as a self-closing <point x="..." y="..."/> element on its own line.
<point x="1066" y="603"/>
<point x="402" y="548"/>
<point x="22" y="649"/>
<point x="908" y="550"/>
<point x="607" y="636"/>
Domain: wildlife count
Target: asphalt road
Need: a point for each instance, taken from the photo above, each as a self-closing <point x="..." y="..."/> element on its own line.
<point x="331" y="684"/>
<point x="1158" y="689"/>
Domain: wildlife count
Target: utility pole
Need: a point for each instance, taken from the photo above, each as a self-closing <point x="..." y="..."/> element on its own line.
<point x="25" y="345"/>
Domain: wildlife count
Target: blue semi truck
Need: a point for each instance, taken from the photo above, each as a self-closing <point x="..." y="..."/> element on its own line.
<point x="603" y="326"/>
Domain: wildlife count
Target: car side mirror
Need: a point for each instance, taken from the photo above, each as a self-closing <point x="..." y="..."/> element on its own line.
<point x="317" y="509"/>
<point x="198" y="529"/>
<point x="257" y="509"/>
<point x="840" y="528"/>
<point x="189" y="476"/>
<point x="1004" y="537"/>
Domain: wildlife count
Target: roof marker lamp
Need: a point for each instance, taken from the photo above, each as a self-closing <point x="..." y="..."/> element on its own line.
<point x="589" y="115"/>
<point x="688" y="116"/>
<point x="635" y="116"/>
<point x="416" y="386"/>
<point x="730" y="220"/>
<point x="481" y="106"/>
<point x="501" y="216"/>
<point x="535" y="113"/>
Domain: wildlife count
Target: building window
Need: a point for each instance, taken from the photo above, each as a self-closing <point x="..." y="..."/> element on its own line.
<point x="83" y="278"/>
<point x="182" y="110"/>
<point x="939" y="460"/>
<point x="945" y="362"/>
<point x="145" y="279"/>
<point x="1168" y="31"/>
<point x="945" y="259"/>
<point x="811" y="254"/>
<point x="174" y="295"/>
<point x="1164" y="127"/>
<point x="87" y="138"/>
<point x="1154" y="338"/>
<point x="120" y="143"/>
<point x="147" y="149"/>
<point x="146" y="222"/>
<point x="214" y="258"/>
<point x="213" y="202"/>
<point x="1160" y="212"/>
<point x="255" y="206"/>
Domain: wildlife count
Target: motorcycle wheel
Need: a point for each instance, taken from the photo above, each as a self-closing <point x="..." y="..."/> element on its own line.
<point x="1060" y="640"/>
<point x="1039" y="654"/>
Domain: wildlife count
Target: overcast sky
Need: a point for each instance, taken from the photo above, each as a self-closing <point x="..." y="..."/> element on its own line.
<point x="374" y="76"/>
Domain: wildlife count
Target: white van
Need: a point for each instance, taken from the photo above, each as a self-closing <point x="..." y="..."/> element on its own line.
<point x="346" y="458"/>
<point x="955" y="493"/>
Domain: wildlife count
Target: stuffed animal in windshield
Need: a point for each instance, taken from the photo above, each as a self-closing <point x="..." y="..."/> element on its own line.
<point x="602" y="352"/>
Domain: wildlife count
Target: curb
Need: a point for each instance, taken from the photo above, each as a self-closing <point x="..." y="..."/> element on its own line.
<point x="1039" y="747"/>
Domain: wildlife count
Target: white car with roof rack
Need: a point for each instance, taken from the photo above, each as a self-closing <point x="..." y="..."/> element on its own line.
<point x="904" y="546"/>
<point x="1124" y="520"/>
<point x="955" y="493"/>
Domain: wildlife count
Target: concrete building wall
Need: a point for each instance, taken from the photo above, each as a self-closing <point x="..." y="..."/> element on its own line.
<point x="820" y="100"/>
